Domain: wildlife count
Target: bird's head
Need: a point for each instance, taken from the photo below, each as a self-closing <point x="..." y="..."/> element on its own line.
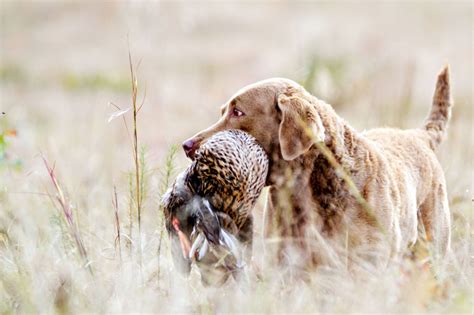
<point x="197" y="236"/>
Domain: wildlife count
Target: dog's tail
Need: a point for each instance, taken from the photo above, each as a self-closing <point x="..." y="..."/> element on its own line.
<point x="437" y="121"/>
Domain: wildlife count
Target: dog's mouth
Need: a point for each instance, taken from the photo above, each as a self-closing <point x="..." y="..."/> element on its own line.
<point x="190" y="154"/>
<point x="191" y="151"/>
<point x="268" y="181"/>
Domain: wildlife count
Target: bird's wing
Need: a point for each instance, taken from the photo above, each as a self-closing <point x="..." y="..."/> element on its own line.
<point x="208" y="221"/>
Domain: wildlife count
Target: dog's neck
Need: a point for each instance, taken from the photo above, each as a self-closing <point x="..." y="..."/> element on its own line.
<point x="317" y="175"/>
<point x="342" y="144"/>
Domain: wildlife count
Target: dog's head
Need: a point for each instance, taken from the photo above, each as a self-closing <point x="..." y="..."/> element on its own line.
<point x="279" y="113"/>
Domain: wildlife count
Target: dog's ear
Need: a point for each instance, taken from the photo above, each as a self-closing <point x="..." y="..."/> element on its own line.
<point x="300" y="126"/>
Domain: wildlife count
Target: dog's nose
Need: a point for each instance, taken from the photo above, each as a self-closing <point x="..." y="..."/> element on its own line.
<point x="188" y="147"/>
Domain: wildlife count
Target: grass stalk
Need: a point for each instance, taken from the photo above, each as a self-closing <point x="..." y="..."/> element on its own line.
<point x="61" y="202"/>
<point x="136" y="158"/>
<point x="136" y="178"/>
<point x="130" y="214"/>
<point x="166" y="180"/>
<point x="117" y="242"/>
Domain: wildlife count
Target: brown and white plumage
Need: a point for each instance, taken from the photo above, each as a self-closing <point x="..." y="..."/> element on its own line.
<point x="210" y="204"/>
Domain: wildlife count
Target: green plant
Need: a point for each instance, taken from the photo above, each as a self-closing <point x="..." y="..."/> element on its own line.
<point x="6" y="136"/>
<point x="61" y="202"/>
<point x="136" y="178"/>
<point x="94" y="81"/>
<point x="166" y="175"/>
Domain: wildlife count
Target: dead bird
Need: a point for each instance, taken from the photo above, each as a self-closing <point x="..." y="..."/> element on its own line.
<point x="208" y="208"/>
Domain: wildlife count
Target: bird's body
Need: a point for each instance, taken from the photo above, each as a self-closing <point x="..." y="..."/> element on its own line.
<point x="210" y="204"/>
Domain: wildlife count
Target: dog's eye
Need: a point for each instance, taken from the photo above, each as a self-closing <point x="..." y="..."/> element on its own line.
<point x="237" y="113"/>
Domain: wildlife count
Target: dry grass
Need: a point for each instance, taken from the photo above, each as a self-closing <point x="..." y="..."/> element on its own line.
<point x="100" y="245"/>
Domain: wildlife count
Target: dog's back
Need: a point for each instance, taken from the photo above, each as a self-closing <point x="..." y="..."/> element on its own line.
<point x="419" y="166"/>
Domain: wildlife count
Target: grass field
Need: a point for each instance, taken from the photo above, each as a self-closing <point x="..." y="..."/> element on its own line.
<point x="64" y="68"/>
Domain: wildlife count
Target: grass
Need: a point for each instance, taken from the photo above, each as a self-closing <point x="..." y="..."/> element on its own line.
<point x="12" y="73"/>
<point x="94" y="81"/>
<point x="137" y="181"/>
<point x="82" y="277"/>
<point x="70" y="237"/>
<point x="61" y="202"/>
<point x="81" y="266"/>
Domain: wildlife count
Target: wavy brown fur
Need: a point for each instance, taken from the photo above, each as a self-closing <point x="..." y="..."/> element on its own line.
<point x="394" y="183"/>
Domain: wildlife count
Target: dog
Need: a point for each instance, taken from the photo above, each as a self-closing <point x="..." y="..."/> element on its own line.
<point x="335" y="193"/>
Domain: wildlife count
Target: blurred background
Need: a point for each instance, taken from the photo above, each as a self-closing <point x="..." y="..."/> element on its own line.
<point x="376" y="63"/>
<point x="63" y="63"/>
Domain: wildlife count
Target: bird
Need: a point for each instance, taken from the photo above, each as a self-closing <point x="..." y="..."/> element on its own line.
<point x="208" y="209"/>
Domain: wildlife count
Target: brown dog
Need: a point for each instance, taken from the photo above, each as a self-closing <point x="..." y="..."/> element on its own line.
<point x="336" y="193"/>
